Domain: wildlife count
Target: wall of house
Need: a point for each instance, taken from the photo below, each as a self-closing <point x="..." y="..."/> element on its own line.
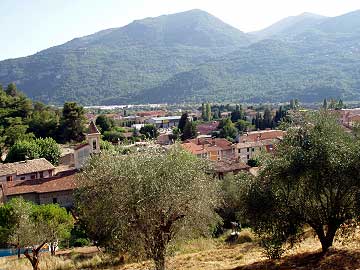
<point x="33" y="197"/>
<point x="63" y="198"/>
<point x="4" y="177"/>
<point x="94" y="142"/>
<point x="36" y="175"/>
<point x="81" y="155"/>
<point x="246" y="153"/>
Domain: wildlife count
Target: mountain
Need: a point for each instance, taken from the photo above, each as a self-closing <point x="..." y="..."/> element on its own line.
<point x="344" y="24"/>
<point x="194" y="57"/>
<point x="112" y="66"/>
<point x="270" y="71"/>
<point x="290" y="26"/>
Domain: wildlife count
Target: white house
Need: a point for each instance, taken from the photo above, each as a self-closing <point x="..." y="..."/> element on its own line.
<point x="92" y="146"/>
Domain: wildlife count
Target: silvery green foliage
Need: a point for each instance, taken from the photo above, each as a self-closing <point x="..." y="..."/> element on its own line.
<point x="142" y="201"/>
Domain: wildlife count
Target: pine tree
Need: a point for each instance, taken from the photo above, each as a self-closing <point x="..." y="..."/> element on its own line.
<point x="208" y="112"/>
<point x="203" y="112"/>
<point x="182" y="122"/>
<point x="325" y="104"/>
<point x="189" y="130"/>
<point x="267" y="118"/>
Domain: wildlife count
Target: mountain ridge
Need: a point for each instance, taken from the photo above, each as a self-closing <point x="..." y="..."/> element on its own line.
<point x="194" y="56"/>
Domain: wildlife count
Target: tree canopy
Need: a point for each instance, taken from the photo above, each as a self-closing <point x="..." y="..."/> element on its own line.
<point x="142" y="202"/>
<point x="313" y="178"/>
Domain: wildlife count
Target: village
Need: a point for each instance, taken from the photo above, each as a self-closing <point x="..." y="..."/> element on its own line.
<point x="41" y="182"/>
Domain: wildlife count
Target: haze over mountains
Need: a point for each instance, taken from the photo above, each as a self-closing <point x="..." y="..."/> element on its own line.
<point x="193" y="56"/>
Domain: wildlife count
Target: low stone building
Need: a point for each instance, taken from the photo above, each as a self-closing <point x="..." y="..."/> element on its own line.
<point x="57" y="189"/>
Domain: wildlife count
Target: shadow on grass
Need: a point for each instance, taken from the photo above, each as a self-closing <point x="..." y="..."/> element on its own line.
<point x="333" y="259"/>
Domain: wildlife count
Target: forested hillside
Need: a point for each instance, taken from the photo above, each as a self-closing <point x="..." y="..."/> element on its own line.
<point x="193" y="56"/>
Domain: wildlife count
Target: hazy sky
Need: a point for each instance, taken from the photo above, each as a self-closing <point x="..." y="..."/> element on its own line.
<point x="28" y="26"/>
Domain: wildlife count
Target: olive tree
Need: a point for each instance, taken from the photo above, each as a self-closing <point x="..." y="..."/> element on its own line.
<point x="36" y="225"/>
<point x="313" y="178"/>
<point x="141" y="202"/>
<point x="54" y="223"/>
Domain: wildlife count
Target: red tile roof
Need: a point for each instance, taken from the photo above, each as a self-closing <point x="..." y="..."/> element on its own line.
<point x="203" y="145"/>
<point x="229" y="166"/>
<point x="207" y="128"/>
<point x="92" y="128"/>
<point x="261" y="135"/>
<point x="64" y="181"/>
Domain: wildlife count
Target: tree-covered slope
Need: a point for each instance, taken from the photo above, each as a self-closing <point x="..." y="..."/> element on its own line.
<point x="290" y="26"/>
<point x="112" y="66"/>
<point x="193" y="56"/>
<point x="309" y="69"/>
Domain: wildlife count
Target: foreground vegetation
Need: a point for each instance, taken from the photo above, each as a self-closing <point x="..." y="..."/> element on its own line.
<point x="209" y="254"/>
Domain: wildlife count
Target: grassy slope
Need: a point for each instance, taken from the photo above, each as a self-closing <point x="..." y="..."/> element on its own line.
<point x="209" y="255"/>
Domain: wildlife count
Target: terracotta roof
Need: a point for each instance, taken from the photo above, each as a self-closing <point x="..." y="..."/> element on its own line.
<point x="256" y="143"/>
<point x="204" y="145"/>
<point x="92" y="128"/>
<point x="261" y="135"/>
<point x="229" y="166"/>
<point x="207" y="128"/>
<point x="26" y="167"/>
<point x="62" y="182"/>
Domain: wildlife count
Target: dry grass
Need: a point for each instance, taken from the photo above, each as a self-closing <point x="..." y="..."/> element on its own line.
<point x="210" y="254"/>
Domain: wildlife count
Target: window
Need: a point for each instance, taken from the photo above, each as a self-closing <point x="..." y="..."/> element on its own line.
<point x="22" y="178"/>
<point x="9" y="178"/>
<point x="55" y="200"/>
<point x="94" y="145"/>
<point x="41" y="174"/>
<point x="248" y="156"/>
<point x="253" y="149"/>
<point x="239" y="151"/>
<point x="248" y="149"/>
<point x="33" y="176"/>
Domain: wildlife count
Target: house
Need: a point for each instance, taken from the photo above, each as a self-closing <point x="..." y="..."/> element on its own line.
<point x="223" y="167"/>
<point x="26" y="170"/>
<point x="215" y="149"/>
<point x="260" y="135"/>
<point x="249" y="150"/>
<point x="164" y="122"/>
<point x="252" y="143"/>
<point x="56" y="189"/>
<point x="92" y="146"/>
<point x="207" y="128"/>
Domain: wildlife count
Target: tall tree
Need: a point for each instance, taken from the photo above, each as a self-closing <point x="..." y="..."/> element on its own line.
<point x="54" y="222"/>
<point x="182" y="121"/>
<point x="208" y="112"/>
<point x="325" y="104"/>
<point x="11" y="90"/>
<point x="72" y="122"/>
<point x="267" y="121"/>
<point x="104" y="122"/>
<point x="312" y="179"/>
<point x="141" y="202"/>
<point x="203" y="111"/>
<point x="150" y="131"/>
<point x="189" y="130"/>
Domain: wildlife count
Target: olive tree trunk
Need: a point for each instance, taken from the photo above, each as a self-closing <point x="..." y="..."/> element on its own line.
<point x="326" y="238"/>
<point x="34" y="258"/>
